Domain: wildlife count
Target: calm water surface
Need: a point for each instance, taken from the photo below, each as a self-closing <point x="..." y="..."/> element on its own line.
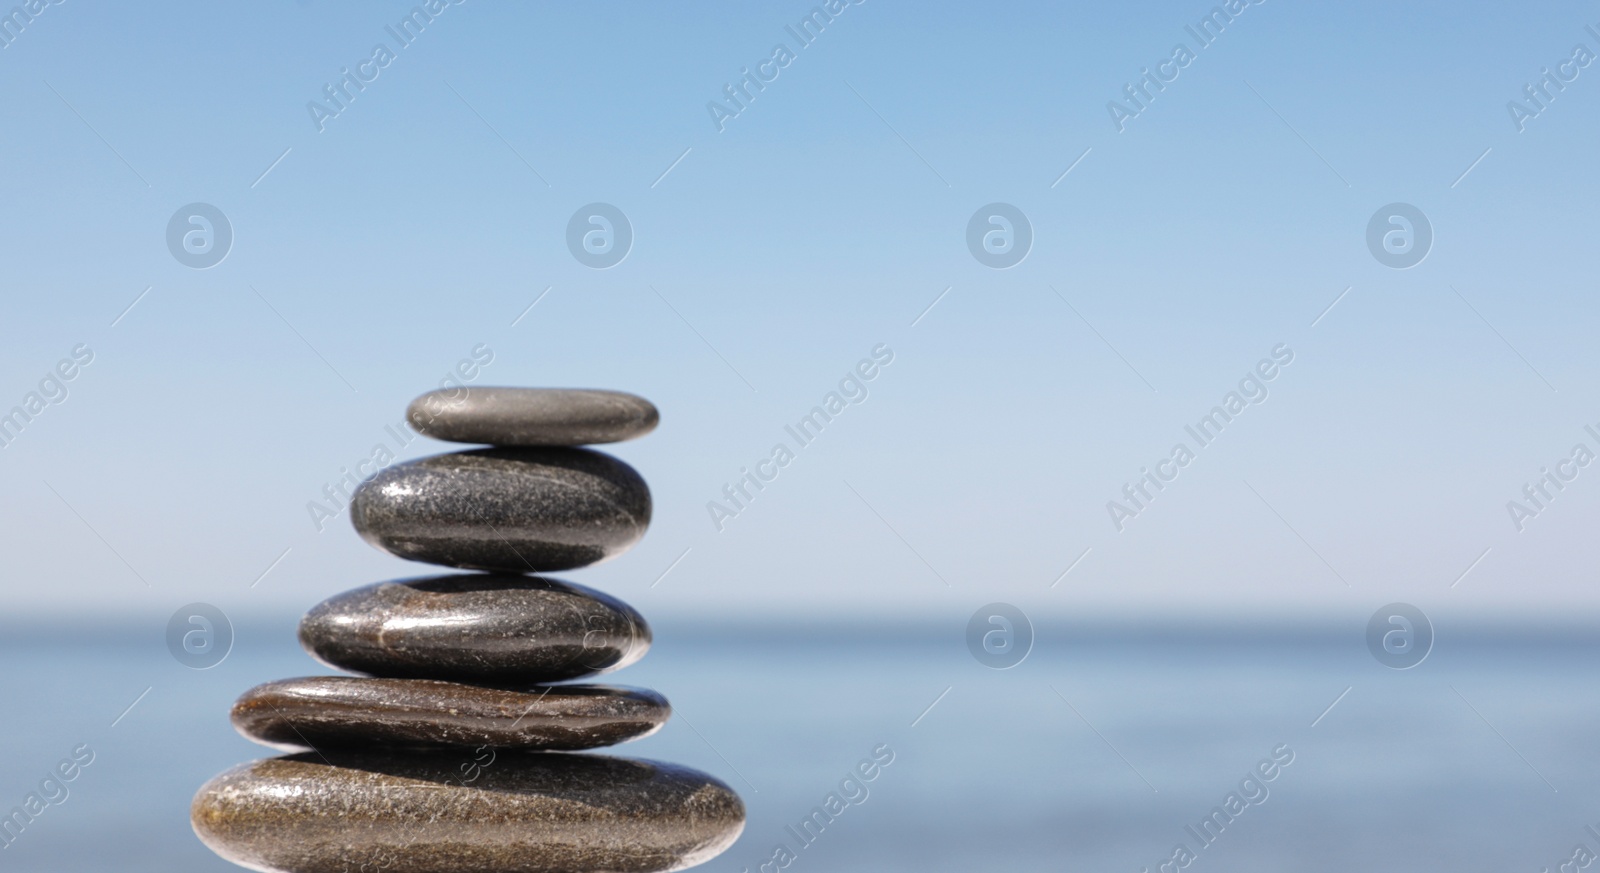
<point x="1097" y="753"/>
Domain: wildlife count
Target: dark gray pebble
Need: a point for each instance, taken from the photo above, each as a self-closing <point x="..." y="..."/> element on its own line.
<point x="531" y="416"/>
<point x="495" y="629"/>
<point x="547" y="812"/>
<point x="515" y="510"/>
<point x="327" y="712"/>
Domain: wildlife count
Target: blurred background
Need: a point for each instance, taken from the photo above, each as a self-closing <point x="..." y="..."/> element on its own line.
<point x="1072" y="232"/>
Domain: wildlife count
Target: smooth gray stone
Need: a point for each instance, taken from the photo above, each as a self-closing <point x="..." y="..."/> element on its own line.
<point x="330" y="712"/>
<point x="539" y="812"/>
<point x="531" y="416"/>
<point x="495" y="629"/>
<point x="515" y="510"/>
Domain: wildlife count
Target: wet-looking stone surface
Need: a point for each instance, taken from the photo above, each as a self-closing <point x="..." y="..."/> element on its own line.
<point x="545" y="812"/>
<point x="514" y="510"/>
<point x="326" y="712"/>
<point x="454" y="753"/>
<point x="496" y="629"/>
<point x="531" y="416"/>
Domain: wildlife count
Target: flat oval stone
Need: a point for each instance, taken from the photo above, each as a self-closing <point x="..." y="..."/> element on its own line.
<point x="532" y="416"/>
<point x="496" y="629"/>
<point x="516" y="510"/>
<point x="323" y="712"/>
<point x="519" y="813"/>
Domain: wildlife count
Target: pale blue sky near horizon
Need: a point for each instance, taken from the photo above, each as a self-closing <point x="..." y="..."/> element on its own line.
<point x="772" y="255"/>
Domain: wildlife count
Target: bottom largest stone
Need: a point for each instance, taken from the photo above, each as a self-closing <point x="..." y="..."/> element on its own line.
<point x="465" y="811"/>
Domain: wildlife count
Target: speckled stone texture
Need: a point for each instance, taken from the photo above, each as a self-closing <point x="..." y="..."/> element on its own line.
<point x="514" y="510"/>
<point x="454" y="754"/>
<point x="325" y="712"/>
<point x="531" y="416"/>
<point x="521" y="813"/>
<point x="496" y="629"/>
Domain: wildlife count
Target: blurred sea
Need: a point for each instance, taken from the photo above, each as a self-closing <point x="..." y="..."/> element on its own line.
<point x="1093" y="754"/>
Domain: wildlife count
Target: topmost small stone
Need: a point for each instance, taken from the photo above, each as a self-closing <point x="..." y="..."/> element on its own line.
<point x="531" y="416"/>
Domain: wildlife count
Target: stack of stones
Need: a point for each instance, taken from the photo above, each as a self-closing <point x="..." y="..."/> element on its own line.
<point x="452" y="753"/>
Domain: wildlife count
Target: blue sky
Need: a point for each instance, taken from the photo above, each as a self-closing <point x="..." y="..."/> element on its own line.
<point x="770" y="256"/>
